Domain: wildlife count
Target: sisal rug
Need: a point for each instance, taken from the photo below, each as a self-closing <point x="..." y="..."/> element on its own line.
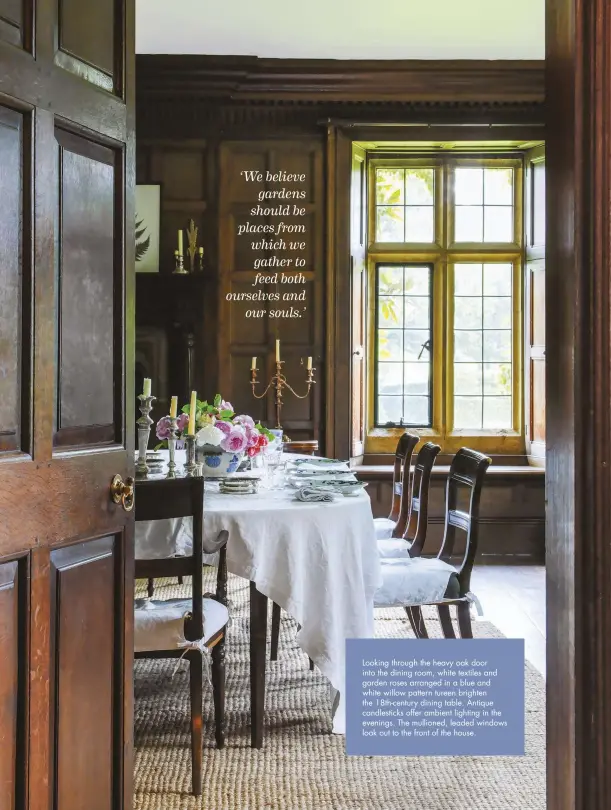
<point x="302" y="765"/>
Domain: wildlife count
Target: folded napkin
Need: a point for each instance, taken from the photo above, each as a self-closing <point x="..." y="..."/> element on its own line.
<point x="312" y="494"/>
<point x="338" y="466"/>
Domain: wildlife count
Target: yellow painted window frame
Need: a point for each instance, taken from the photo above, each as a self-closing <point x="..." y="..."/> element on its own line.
<point x="443" y="254"/>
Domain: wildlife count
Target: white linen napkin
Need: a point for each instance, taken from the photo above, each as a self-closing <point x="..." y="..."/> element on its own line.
<point x="313" y="494"/>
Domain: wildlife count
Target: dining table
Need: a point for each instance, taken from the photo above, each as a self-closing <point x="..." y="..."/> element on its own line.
<point x="317" y="560"/>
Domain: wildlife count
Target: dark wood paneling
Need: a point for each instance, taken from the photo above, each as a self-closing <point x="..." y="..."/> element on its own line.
<point x="11" y="21"/>
<point x="181" y="173"/>
<point x="86" y="664"/>
<point x="241" y="336"/>
<point x="88" y="314"/>
<point x="191" y="112"/>
<point x="177" y="305"/>
<point x="234" y="77"/>
<point x="86" y="31"/>
<point x="182" y="97"/>
<point x="338" y="291"/>
<point x="11" y="274"/>
<point x="512" y="515"/>
<point x="12" y="686"/>
<point x="578" y="368"/>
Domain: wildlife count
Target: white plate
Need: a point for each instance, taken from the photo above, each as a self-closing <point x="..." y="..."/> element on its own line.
<point x="348" y="490"/>
<point x="317" y="462"/>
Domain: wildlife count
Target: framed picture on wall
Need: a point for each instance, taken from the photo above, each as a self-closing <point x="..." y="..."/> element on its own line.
<point x="148" y="204"/>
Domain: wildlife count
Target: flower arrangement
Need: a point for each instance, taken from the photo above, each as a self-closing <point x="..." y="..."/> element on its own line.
<point x="217" y="425"/>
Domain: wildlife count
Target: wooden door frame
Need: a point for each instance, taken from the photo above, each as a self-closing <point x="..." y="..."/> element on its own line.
<point x="578" y="393"/>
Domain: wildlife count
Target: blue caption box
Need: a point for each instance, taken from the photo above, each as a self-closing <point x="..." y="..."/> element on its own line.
<point x="419" y="697"/>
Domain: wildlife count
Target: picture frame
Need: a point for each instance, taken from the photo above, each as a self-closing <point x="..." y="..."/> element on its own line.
<point x="148" y="214"/>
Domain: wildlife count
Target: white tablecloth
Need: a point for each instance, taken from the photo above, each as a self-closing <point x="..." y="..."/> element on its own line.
<point x="318" y="561"/>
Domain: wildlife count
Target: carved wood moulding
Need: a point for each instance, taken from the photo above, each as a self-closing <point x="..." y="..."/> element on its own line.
<point x="340" y="81"/>
<point x="188" y="94"/>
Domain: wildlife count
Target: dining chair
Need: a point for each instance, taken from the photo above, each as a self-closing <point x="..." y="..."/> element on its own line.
<point x="189" y="628"/>
<point x="411" y="542"/>
<point x="395" y="524"/>
<point x="414" y="582"/>
<point x="305" y="448"/>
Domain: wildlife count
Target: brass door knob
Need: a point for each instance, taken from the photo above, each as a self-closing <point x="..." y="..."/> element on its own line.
<point x="123" y="492"/>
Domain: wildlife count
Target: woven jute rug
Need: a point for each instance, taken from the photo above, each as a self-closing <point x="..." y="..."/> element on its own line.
<point x="302" y="765"/>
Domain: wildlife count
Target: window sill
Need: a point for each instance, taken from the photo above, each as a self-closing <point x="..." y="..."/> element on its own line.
<point x="376" y="472"/>
<point x="383" y="441"/>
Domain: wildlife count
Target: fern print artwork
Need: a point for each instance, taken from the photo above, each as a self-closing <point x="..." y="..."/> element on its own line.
<point x="147" y="228"/>
<point x="142" y="243"/>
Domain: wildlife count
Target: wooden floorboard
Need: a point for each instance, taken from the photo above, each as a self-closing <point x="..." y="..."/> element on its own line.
<point x="513" y="599"/>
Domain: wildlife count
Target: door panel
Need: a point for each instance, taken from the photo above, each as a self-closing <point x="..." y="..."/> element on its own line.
<point x="87" y="272"/>
<point x="12" y="715"/>
<point x="87" y="661"/>
<point x="91" y="57"/>
<point x="11" y="21"/>
<point x="66" y="374"/>
<point x="11" y="316"/>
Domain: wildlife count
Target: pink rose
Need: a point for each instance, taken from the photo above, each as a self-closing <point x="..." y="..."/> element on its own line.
<point x="252" y="436"/>
<point x="235" y="441"/>
<point x="182" y="422"/>
<point x="224" y="426"/>
<point x="246" y="421"/>
<point x="163" y="428"/>
<point x="226" y="406"/>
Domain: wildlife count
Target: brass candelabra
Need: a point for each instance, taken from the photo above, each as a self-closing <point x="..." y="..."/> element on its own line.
<point x="279" y="383"/>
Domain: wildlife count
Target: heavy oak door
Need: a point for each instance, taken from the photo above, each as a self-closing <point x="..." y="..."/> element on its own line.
<point x="66" y="306"/>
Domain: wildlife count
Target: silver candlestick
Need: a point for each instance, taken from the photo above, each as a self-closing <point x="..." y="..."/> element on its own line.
<point x="144" y="432"/>
<point x="190" y="466"/>
<point x="172" y="446"/>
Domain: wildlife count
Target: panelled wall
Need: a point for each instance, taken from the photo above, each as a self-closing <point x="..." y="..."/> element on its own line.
<point x="201" y="121"/>
<point x="242" y="336"/>
<point x="172" y="309"/>
<point x="512" y="514"/>
<point x="210" y="340"/>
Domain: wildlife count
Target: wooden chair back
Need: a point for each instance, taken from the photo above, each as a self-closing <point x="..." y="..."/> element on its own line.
<point x="467" y="471"/>
<point x="419" y="506"/>
<point x="304" y="448"/>
<point x="401" y="493"/>
<point x="164" y="499"/>
<point x="401" y="490"/>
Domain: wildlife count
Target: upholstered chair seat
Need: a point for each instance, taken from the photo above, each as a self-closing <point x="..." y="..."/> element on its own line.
<point x="161" y="625"/>
<point x="418" y="581"/>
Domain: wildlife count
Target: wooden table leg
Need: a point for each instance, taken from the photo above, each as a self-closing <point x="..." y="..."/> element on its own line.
<point x="258" y="638"/>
